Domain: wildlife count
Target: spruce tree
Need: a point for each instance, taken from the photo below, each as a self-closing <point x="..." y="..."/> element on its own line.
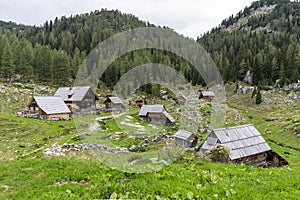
<point x="61" y="68"/>
<point x="7" y="63"/>
<point x="24" y="67"/>
<point x="258" y="98"/>
<point x="42" y="63"/>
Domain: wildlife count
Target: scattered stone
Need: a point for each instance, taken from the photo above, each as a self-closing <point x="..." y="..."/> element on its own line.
<point x="273" y="119"/>
<point x="289" y="102"/>
<point x="244" y="90"/>
<point x="132" y="147"/>
<point x="248" y="78"/>
<point x="292" y="96"/>
<point x="161" y="137"/>
<point x="57" y="150"/>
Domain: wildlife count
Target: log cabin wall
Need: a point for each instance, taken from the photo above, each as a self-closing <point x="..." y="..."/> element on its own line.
<point x="157" y="118"/>
<point x="253" y="160"/>
<point x="56" y="116"/>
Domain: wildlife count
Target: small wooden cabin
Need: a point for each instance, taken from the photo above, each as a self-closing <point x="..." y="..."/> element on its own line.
<point x="156" y="114"/>
<point x="245" y="145"/>
<point x="185" y="139"/>
<point x="48" y="107"/>
<point x="114" y="104"/>
<point x="79" y="99"/>
<point x="181" y="100"/>
<point x="207" y="95"/>
<point x="140" y="101"/>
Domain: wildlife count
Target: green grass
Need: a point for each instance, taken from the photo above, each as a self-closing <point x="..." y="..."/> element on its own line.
<point x="26" y="174"/>
<point x="180" y="180"/>
<point x="23" y="137"/>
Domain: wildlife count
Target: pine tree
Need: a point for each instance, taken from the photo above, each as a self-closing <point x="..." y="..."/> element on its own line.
<point x="282" y="74"/>
<point x="42" y="63"/>
<point x="236" y="86"/>
<point x="258" y="98"/>
<point x="24" y="67"/>
<point x="61" y="68"/>
<point x="7" y="63"/>
<point x="258" y="63"/>
<point x="76" y="62"/>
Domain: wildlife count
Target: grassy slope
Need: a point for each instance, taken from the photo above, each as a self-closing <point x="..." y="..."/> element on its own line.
<point x="26" y="174"/>
<point x="37" y="179"/>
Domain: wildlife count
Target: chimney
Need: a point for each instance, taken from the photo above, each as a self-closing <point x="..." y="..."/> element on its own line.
<point x="226" y="130"/>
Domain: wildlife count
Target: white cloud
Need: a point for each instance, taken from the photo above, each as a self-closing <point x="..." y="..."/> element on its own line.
<point x="188" y="17"/>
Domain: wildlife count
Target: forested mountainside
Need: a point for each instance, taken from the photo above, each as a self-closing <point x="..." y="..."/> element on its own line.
<point x="52" y="53"/>
<point x="263" y="39"/>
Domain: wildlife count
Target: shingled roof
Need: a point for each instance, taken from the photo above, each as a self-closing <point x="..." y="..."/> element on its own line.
<point x="145" y="109"/>
<point x="183" y="134"/>
<point x="151" y="108"/>
<point x="72" y="93"/>
<point x="182" y="96"/>
<point x="51" y="104"/>
<point x="208" y="93"/>
<point x="242" y="141"/>
<point x="114" y="100"/>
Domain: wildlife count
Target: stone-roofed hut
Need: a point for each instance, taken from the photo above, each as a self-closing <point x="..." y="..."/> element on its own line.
<point x="207" y="95"/>
<point x="140" y="101"/>
<point x="48" y="107"/>
<point x="79" y="99"/>
<point x="114" y="104"/>
<point x="245" y="145"/>
<point x="181" y="100"/>
<point x="155" y="114"/>
<point x="185" y="139"/>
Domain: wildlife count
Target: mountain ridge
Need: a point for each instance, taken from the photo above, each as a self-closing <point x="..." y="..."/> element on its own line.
<point x="267" y="44"/>
<point x="262" y="39"/>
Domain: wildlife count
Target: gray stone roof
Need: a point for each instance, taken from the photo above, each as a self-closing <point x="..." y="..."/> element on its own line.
<point x="168" y="116"/>
<point x="242" y="141"/>
<point x="208" y="93"/>
<point x="51" y="104"/>
<point x="72" y="93"/>
<point x="183" y="134"/>
<point x="182" y="96"/>
<point x="115" y="100"/>
<point x="145" y="109"/>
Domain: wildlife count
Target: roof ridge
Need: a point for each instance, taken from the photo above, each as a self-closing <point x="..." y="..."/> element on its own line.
<point x="246" y="138"/>
<point x="233" y="127"/>
<point x="251" y="145"/>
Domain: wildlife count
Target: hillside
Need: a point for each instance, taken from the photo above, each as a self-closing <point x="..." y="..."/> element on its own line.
<point x="263" y="39"/>
<point x="43" y="159"/>
<point x="78" y="174"/>
<point x="83" y="31"/>
<point x="54" y="52"/>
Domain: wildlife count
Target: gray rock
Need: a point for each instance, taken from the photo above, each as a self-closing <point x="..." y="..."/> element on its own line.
<point x="248" y="78"/>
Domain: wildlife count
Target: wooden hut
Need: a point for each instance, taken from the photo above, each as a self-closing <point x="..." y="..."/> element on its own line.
<point x="185" y="139"/>
<point x="244" y="143"/>
<point x="140" y="101"/>
<point x="79" y="99"/>
<point x="155" y="114"/>
<point x="207" y="95"/>
<point x="48" y="107"/>
<point x="181" y="100"/>
<point x="113" y="104"/>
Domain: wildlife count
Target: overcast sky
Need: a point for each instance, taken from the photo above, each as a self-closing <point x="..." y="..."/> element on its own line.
<point x="188" y="17"/>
